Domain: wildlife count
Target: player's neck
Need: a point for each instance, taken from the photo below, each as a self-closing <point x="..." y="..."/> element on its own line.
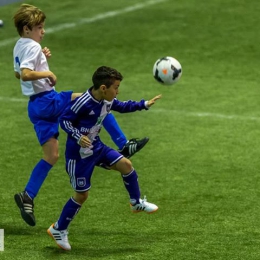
<point x="97" y="94"/>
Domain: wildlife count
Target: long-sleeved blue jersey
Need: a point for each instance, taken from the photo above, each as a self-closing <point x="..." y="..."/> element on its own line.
<point x="84" y="116"/>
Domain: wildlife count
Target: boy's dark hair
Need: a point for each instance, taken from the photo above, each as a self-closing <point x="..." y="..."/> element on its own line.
<point x="105" y="76"/>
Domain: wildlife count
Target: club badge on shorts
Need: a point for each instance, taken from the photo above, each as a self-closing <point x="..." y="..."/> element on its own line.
<point x="81" y="182"/>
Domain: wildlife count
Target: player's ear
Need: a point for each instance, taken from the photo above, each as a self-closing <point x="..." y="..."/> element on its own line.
<point x="26" y="29"/>
<point x="103" y="87"/>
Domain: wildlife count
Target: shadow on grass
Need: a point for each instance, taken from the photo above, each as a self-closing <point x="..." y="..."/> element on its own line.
<point x="95" y="243"/>
<point x="15" y="229"/>
<point x="99" y="244"/>
<point x="50" y="252"/>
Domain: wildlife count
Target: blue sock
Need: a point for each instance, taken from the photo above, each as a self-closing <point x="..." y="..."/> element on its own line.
<point x="132" y="186"/>
<point x="112" y="127"/>
<point x="37" y="178"/>
<point x="69" y="211"/>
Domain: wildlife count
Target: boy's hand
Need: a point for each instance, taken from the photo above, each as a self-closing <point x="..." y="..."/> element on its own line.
<point x="152" y="101"/>
<point x="46" y="52"/>
<point x="84" y="141"/>
<point x="52" y="79"/>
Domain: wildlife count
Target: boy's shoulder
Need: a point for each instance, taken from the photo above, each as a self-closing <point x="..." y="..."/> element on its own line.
<point x="83" y="101"/>
<point x="28" y="44"/>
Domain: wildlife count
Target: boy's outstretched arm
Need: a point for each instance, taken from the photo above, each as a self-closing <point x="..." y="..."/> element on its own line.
<point x="152" y="101"/>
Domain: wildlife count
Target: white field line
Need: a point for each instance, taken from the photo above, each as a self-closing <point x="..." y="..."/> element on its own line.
<point x="8" y="99"/>
<point x="165" y="111"/>
<point x="93" y="19"/>
<point x="205" y="114"/>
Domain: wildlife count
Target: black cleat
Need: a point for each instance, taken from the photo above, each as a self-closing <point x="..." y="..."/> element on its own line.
<point x="133" y="146"/>
<point x="25" y="204"/>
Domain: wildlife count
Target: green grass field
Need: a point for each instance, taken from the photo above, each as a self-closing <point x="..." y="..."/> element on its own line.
<point x="202" y="164"/>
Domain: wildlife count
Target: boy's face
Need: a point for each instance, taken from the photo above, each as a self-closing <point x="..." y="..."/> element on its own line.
<point x="110" y="93"/>
<point x="36" y="34"/>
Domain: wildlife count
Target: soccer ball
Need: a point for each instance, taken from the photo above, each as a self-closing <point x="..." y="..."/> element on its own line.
<point x="167" y="70"/>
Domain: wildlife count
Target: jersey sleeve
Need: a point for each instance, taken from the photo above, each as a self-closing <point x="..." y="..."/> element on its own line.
<point x="31" y="57"/>
<point x="68" y="120"/>
<point x="128" y="106"/>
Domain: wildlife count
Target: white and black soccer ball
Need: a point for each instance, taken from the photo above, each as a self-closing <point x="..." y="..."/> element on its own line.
<point x="167" y="70"/>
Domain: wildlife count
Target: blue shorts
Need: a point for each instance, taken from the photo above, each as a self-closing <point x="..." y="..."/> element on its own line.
<point x="80" y="171"/>
<point x="44" y="110"/>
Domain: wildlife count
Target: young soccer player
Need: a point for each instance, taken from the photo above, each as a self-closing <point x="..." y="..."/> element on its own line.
<point x="82" y="121"/>
<point x="46" y="104"/>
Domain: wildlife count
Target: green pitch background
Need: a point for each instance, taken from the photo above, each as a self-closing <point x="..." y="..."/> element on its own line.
<point x="202" y="164"/>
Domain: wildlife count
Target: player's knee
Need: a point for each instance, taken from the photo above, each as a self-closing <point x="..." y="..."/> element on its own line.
<point x="80" y="197"/>
<point x="75" y="95"/>
<point x="129" y="164"/>
<point x="126" y="164"/>
<point x="52" y="158"/>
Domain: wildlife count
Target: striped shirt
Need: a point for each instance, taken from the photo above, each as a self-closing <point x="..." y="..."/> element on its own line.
<point x="84" y="116"/>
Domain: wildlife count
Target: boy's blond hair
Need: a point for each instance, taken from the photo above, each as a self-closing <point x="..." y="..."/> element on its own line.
<point x="28" y="15"/>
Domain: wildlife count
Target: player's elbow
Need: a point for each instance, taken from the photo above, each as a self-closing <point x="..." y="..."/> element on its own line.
<point x="26" y="75"/>
<point x="17" y="75"/>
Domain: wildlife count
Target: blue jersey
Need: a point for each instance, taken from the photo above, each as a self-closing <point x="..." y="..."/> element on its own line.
<point x="84" y="116"/>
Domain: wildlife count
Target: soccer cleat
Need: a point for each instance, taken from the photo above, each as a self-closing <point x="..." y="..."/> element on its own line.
<point x="133" y="146"/>
<point x="143" y="205"/>
<point x="60" y="237"/>
<point x="25" y="204"/>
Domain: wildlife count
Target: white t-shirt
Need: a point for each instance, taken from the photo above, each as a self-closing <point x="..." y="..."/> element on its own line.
<point x="28" y="54"/>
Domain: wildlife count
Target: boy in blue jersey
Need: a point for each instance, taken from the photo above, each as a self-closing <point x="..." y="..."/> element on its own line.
<point x="82" y="121"/>
<point x="46" y="105"/>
